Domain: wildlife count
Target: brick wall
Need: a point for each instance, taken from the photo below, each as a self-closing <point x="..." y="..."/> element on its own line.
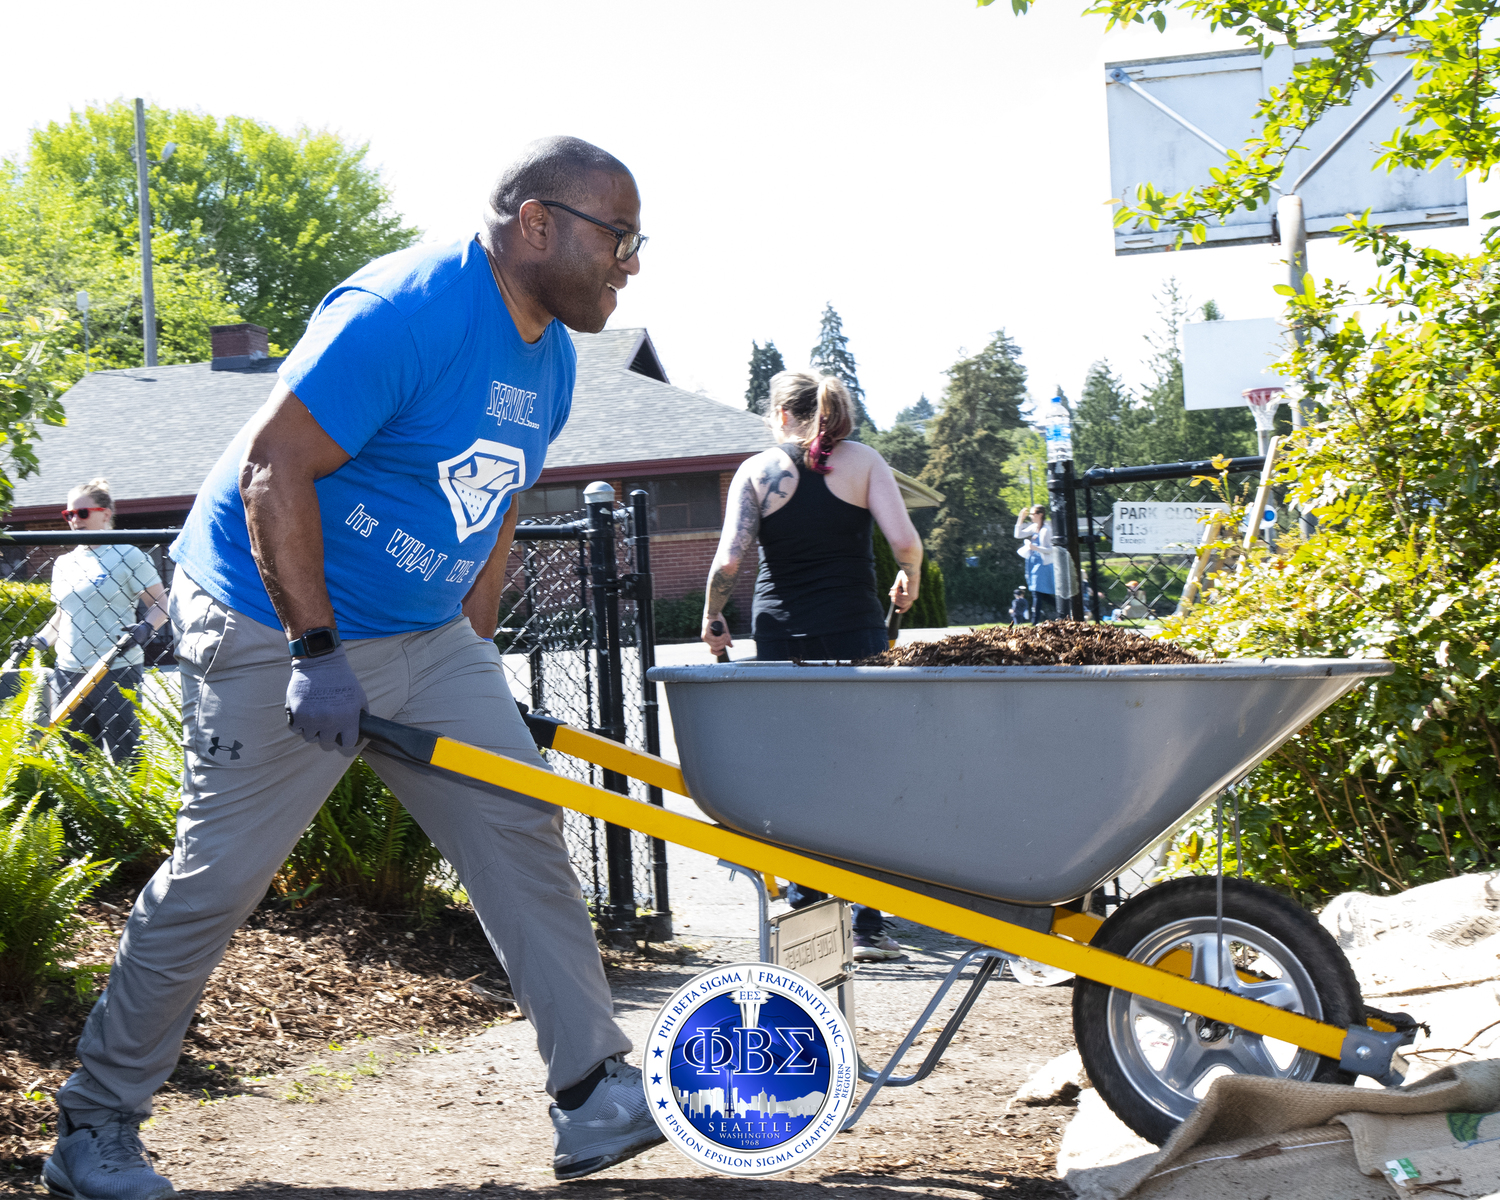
<point x="680" y="561"/>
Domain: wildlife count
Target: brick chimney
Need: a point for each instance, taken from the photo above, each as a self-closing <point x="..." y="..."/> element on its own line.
<point x="237" y="346"/>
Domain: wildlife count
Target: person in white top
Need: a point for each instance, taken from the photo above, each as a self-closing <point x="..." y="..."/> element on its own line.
<point x="1036" y="549"/>
<point x="97" y="591"/>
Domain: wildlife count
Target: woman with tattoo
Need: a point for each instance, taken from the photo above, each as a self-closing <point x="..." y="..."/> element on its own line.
<point x="811" y="501"/>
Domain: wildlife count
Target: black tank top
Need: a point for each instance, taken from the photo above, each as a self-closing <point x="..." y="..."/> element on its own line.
<point x="817" y="566"/>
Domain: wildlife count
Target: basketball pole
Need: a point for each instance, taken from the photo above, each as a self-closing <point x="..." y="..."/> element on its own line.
<point x="1294" y="238"/>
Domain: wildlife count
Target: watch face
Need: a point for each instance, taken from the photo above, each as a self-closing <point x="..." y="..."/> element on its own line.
<point x="315" y="642"/>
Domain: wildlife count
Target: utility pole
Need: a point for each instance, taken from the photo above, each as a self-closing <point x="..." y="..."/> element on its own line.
<point x="143" y="187"/>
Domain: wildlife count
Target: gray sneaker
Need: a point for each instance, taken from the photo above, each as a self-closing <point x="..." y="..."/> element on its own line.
<point x="613" y="1124"/>
<point x="103" y="1162"/>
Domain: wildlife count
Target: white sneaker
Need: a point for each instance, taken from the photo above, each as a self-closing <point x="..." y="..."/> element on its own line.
<point x="881" y="947"/>
<point x="613" y="1124"/>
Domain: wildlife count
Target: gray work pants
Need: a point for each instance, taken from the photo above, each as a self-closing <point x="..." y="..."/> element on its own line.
<point x="251" y="786"/>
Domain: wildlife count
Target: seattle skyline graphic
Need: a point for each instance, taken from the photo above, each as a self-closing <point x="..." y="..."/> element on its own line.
<point x="749" y="1069"/>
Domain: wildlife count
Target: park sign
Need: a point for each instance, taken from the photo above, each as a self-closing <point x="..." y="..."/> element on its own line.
<point x="1155" y="528"/>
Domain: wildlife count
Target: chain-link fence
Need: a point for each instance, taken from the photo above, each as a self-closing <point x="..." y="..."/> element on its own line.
<point x="570" y="637"/>
<point x="1138" y="529"/>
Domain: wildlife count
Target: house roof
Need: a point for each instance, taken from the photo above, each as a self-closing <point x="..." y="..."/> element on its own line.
<point x="154" y="432"/>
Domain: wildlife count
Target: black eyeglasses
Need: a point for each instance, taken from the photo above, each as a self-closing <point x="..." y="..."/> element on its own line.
<point x="627" y="244"/>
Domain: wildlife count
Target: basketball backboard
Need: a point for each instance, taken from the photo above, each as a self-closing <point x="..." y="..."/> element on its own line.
<point x="1165" y="112"/>
<point x="1221" y="359"/>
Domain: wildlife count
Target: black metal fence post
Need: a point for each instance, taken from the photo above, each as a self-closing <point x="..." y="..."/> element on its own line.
<point x="660" y="924"/>
<point x="619" y="916"/>
<point x="1064" y="505"/>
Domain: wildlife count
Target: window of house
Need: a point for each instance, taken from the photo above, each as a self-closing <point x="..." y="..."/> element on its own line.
<point x="551" y="500"/>
<point x="681" y="502"/>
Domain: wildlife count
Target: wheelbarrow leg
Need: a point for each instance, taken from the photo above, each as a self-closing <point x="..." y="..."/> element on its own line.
<point x="762" y="898"/>
<point x="989" y="962"/>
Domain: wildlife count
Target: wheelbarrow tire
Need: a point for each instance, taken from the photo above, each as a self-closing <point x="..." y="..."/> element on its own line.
<point x="1150" y="1097"/>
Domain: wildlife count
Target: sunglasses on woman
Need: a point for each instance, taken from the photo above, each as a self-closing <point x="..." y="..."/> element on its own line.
<point x="80" y="514"/>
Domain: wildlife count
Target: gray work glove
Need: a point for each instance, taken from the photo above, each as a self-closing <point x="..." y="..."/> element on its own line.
<point x="324" y="700"/>
<point x="142" y="631"/>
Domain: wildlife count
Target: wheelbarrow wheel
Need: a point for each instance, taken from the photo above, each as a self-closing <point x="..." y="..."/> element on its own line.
<point x="1151" y="1062"/>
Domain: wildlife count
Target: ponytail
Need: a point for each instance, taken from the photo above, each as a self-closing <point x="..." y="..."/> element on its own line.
<point x="820" y="404"/>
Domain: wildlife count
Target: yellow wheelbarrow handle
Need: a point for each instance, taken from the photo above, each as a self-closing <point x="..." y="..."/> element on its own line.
<point x="1114" y="970"/>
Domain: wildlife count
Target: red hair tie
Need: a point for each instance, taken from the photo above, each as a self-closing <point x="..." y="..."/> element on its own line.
<point x="818" y="450"/>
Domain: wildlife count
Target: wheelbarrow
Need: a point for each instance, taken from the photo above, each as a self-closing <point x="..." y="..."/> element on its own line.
<point x="989" y="802"/>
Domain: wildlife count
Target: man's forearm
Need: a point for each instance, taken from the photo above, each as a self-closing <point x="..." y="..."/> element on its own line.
<point x="286" y="538"/>
<point x="482" y="604"/>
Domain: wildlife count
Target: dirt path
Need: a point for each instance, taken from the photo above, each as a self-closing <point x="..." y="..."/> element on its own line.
<point x="399" y="1118"/>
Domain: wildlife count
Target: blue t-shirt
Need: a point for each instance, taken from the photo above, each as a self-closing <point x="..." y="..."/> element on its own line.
<point x="414" y="367"/>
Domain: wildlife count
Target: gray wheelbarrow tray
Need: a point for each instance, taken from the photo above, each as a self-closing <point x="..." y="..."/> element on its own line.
<point x="1029" y="785"/>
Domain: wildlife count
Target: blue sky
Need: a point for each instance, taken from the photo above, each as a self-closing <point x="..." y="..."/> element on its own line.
<point x="936" y="170"/>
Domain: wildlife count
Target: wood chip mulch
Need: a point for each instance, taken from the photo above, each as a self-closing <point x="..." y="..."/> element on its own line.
<point x="1069" y="643"/>
<point x="292" y="981"/>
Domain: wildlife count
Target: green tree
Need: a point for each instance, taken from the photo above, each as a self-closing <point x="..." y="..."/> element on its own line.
<point x="903" y="447"/>
<point x="1106" y="425"/>
<point x="969" y="443"/>
<point x="283" y="217"/>
<point x="29" y="389"/>
<point x="1166" y="430"/>
<point x="833" y="357"/>
<point x="765" y="361"/>
<point x="917" y="415"/>
<point x="51" y="249"/>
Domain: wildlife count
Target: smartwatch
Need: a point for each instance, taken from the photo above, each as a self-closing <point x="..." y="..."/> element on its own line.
<point x="314" y="643"/>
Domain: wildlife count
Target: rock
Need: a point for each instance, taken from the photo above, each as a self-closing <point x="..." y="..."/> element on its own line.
<point x="1096" y="1138"/>
<point x="1058" y="1082"/>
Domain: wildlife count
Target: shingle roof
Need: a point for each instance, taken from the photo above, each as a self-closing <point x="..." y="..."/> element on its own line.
<point x="155" y="432"/>
<point x="152" y="431"/>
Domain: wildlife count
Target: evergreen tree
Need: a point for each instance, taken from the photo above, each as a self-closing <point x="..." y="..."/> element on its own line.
<point x="968" y="444"/>
<point x="1106" y="425"/>
<point x="917" y="415"/>
<point x="1169" y="431"/>
<point x="765" y="361"/>
<point x="903" y="446"/>
<point x="832" y="356"/>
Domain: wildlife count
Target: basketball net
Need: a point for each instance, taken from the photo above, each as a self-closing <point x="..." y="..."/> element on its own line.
<point x="1263" y="402"/>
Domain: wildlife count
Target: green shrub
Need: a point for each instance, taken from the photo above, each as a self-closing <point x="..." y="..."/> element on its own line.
<point x="365" y="847"/>
<point x="931" y="609"/>
<point x="122" y="811"/>
<point x="1395" y="785"/>
<point x="24" y="609"/>
<point x="39" y="897"/>
<point x="683" y="618"/>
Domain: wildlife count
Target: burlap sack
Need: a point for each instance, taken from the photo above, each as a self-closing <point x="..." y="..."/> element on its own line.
<point x="1225" y="1147"/>
<point x="1458" y="1152"/>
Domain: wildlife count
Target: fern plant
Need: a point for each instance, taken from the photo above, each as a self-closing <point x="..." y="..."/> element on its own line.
<point x="40" y="892"/>
<point x="363" y="845"/>
<point x="126" y="811"/>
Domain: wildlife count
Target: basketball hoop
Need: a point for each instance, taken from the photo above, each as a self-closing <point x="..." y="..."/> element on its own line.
<point x="1263" y="402"/>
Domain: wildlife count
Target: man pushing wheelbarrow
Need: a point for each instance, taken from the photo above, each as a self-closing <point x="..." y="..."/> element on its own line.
<point x="347" y="554"/>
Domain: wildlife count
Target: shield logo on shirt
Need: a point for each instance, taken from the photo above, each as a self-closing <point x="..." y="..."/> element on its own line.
<point x="477" y="482"/>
